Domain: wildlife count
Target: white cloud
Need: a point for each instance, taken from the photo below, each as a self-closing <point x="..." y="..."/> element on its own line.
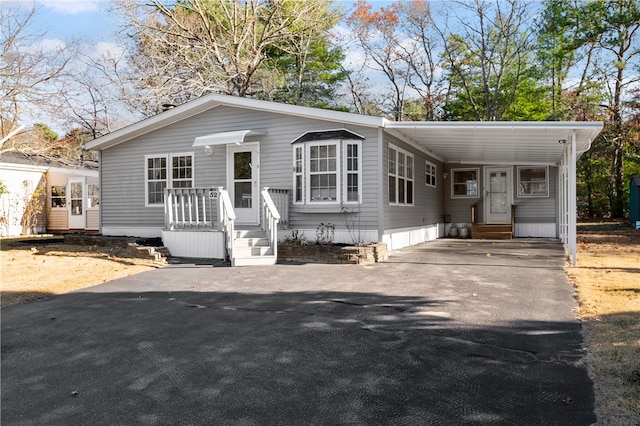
<point x="51" y="45"/>
<point x="108" y="50"/>
<point x="71" y="7"/>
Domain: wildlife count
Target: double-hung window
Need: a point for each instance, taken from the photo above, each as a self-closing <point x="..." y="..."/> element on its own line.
<point x="464" y="183"/>
<point x="58" y="196"/>
<point x="327" y="172"/>
<point x="430" y="174"/>
<point x="400" y="165"/>
<point x="166" y="171"/>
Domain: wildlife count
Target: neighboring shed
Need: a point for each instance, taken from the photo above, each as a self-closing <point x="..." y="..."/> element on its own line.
<point x="634" y="201"/>
<point x="44" y="195"/>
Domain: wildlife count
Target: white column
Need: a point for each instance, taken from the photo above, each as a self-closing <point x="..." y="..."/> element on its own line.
<point x="572" y="207"/>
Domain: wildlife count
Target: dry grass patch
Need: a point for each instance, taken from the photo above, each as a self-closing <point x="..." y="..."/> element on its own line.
<point x="607" y="279"/>
<point x="33" y="268"/>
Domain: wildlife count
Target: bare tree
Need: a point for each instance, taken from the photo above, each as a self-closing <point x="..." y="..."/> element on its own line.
<point x="194" y="47"/>
<point x="379" y="36"/>
<point x="29" y="72"/>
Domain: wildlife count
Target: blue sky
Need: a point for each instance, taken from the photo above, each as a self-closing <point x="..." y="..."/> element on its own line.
<point x="64" y="20"/>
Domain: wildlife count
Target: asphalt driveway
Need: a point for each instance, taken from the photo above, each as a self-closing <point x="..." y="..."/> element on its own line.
<point x="447" y="332"/>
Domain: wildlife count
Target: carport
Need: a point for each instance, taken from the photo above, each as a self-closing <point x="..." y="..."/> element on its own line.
<point x="507" y="143"/>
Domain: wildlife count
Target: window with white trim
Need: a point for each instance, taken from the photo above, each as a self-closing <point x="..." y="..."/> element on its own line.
<point x="166" y="171"/>
<point x="59" y="196"/>
<point x="464" y="183"/>
<point x="533" y="181"/>
<point x="327" y="172"/>
<point x="400" y="174"/>
<point x="430" y="173"/>
<point x="93" y="196"/>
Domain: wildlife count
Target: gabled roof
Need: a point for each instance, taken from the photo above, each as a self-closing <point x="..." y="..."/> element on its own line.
<point x="505" y="142"/>
<point x="211" y="101"/>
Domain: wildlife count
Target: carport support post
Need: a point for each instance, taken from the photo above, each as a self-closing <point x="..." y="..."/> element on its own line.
<point x="573" y="209"/>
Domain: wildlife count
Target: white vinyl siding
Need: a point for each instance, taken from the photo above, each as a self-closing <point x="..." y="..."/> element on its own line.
<point x="400" y="176"/>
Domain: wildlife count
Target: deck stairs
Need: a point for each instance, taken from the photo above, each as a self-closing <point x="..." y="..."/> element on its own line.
<point x="251" y="247"/>
<point x="481" y="231"/>
<point x="491" y="232"/>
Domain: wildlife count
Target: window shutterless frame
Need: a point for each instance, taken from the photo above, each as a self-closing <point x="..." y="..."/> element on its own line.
<point x="400" y="171"/>
<point x="166" y="171"/>
<point x="465" y="183"/>
<point x="430" y="174"/>
<point x="533" y="181"/>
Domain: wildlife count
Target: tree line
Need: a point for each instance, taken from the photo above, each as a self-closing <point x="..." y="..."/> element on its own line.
<point x="486" y="60"/>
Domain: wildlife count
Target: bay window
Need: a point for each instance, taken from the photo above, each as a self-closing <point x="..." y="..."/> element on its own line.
<point x="327" y="172"/>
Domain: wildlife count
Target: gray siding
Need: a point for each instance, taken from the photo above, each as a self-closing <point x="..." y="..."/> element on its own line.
<point x="123" y="181"/>
<point x="427" y="206"/>
<point x="529" y="210"/>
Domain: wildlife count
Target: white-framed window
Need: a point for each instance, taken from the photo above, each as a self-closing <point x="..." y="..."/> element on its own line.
<point x="59" y="196"/>
<point x="533" y="181"/>
<point x="181" y="170"/>
<point x="93" y="196"/>
<point x="327" y="172"/>
<point x="400" y="174"/>
<point x="430" y="170"/>
<point x="166" y="171"/>
<point x="464" y="183"/>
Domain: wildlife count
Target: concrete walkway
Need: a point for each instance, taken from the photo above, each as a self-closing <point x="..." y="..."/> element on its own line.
<point x="447" y="332"/>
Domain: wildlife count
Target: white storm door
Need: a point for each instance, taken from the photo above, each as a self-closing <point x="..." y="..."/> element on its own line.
<point x="498" y="197"/>
<point x="77" y="203"/>
<point x="243" y="181"/>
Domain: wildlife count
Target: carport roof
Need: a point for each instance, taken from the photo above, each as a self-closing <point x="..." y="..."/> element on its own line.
<point x="528" y="143"/>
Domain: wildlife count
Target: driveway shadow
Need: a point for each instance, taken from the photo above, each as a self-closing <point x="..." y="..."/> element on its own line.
<point x="286" y="357"/>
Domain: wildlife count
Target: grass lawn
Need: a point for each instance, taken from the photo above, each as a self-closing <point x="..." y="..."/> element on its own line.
<point x="32" y="268"/>
<point x="607" y="280"/>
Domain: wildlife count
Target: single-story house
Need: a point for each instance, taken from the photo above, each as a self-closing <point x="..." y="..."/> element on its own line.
<point x="197" y="174"/>
<point x="42" y="195"/>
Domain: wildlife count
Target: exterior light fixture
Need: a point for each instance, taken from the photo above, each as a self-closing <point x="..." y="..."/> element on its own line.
<point x="208" y="149"/>
<point x="562" y="141"/>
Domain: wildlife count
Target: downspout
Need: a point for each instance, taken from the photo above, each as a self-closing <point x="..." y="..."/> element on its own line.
<point x="100" y="192"/>
<point x="381" y="195"/>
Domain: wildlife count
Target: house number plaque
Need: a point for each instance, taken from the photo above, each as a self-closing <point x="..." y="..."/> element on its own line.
<point x="213" y="194"/>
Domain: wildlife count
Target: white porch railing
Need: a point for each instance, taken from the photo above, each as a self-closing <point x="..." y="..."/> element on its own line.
<point x="280" y="199"/>
<point x="271" y="217"/>
<point x="226" y="218"/>
<point x="189" y="208"/>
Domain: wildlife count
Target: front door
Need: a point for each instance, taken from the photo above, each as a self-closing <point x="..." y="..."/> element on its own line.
<point x="497" y="184"/>
<point x="243" y="181"/>
<point x="77" y="207"/>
